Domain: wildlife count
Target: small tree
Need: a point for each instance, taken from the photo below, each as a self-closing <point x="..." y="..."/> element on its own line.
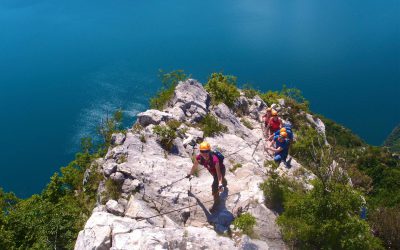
<point x="222" y="88"/>
<point x="169" y="82"/>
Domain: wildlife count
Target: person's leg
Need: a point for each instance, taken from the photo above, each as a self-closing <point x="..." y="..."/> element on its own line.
<point x="278" y="159"/>
<point x="224" y="181"/>
<point x="215" y="194"/>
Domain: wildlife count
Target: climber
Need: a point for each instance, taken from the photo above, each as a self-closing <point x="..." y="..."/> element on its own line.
<point x="215" y="166"/>
<point x="274" y="123"/>
<point x="286" y="129"/>
<point x="281" y="148"/>
<point x="265" y="118"/>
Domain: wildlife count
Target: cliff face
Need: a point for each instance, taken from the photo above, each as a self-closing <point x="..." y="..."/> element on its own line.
<point x="393" y="140"/>
<point x="160" y="209"/>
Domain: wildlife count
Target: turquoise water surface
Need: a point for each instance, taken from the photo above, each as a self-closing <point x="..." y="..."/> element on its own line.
<point x="66" y="64"/>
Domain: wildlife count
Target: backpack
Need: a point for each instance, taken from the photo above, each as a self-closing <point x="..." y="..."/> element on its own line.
<point x="219" y="155"/>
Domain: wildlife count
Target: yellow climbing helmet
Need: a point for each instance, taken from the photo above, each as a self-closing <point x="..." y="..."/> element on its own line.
<point x="283" y="134"/>
<point x="282" y="130"/>
<point x="274" y="113"/>
<point x="204" y="146"/>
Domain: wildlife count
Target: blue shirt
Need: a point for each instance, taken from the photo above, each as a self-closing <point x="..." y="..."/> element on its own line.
<point x="282" y="144"/>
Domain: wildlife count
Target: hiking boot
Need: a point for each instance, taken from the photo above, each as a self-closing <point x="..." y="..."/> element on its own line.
<point x="288" y="163"/>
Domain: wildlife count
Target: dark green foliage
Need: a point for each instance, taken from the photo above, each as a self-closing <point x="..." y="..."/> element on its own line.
<point x="246" y="123"/>
<point x="109" y="126"/>
<point x="384" y="169"/>
<point x="276" y="189"/>
<point x="307" y="139"/>
<point x="386" y="224"/>
<point x="340" y="136"/>
<point x="249" y="92"/>
<point x="326" y="219"/>
<point x="169" y="82"/>
<point x="37" y="223"/>
<point x="210" y="126"/>
<point x="166" y="136"/>
<point x="271" y="97"/>
<point x="113" y="189"/>
<point x="222" y="88"/>
<point x="393" y="140"/>
<point x="245" y="222"/>
<point x="295" y="99"/>
<point x="236" y="166"/>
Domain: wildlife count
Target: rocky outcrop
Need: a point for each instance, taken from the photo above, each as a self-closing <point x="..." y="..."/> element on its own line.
<point x="318" y="125"/>
<point x="161" y="209"/>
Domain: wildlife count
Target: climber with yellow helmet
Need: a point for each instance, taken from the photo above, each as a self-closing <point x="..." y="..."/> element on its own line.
<point x="213" y="162"/>
<point x="274" y="123"/>
<point x="281" y="148"/>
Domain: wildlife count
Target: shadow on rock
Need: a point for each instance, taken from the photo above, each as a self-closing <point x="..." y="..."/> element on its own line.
<point x="221" y="218"/>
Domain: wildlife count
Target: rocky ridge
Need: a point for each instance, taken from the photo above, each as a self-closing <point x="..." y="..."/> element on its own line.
<point x="153" y="184"/>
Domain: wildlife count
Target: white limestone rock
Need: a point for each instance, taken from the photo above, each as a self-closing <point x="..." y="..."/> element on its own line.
<point x="153" y="116"/>
<point x="112" y="206"/>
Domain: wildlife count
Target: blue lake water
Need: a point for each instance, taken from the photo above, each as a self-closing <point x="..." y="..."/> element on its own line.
<point x="65" y="64"/>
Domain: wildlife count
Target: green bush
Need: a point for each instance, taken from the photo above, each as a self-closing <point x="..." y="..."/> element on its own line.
<point x="245" y="222"/>
<point x="326" y="219"/>
<point x="246" y="123"/>
<point x="169" y="82"/>
<point x="276" y="189"/>
<point x="306" y="140"/>
<point x="236" y="166"/>
<point x="210" y="126"/>
<point x="386" y="224"/>
<point x="113" y="189"/>
<point x="393" y="140"/>
<point x="249" y="91"/>
<point x="338" y="135"/>
<point x="271" y="97"/>
<point x="166" y="136"/>
<point x="222" y="89"/>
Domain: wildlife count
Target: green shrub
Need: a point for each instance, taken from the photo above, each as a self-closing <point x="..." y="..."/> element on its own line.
<point x="303" y="149"/>
<point x="166" y="136"/>
<point x="236" y="166"/>
<point x="210" y="126"/>
<point x="169" y="82"/>
<point x="222" y="89"/>
<point x="393" y="140"/>
<point x="271" y="97"/>
<point x="326" y="218"/>
<point x="246" y="123"/>
<point x="137" y="128"/>
<point x="338" y="135"/>
<point x="249" y="91"/>
<point x="276" y="189"/>
<point x="386" y="224"/>
<point x="245" y="222"/>
<point x="113" y="189"/>
<point x="142" y="138"/>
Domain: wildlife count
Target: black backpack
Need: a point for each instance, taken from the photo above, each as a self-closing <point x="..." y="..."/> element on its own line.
<point x="219" y="155"/>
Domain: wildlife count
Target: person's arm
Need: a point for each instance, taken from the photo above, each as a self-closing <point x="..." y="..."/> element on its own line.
<point x="194" y="167"/>
<point x="271" y="136"/>
<point x="275" y="150"/>
<point x="219" y="175"/>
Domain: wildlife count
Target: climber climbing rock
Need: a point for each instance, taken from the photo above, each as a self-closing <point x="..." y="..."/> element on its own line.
<point x="265" y="119"/>
<point x="281" y="148"/>
<point x="274" y="123"/>
<point x="213" y="162"/>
